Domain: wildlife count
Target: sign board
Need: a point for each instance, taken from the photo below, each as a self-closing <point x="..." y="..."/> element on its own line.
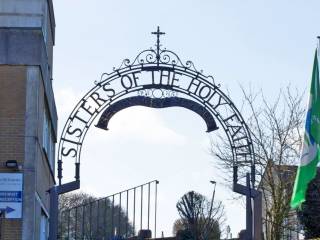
<point x="11" y="194"/>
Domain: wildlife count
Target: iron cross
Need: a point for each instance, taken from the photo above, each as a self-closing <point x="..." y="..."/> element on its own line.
<point x="158" y="33"/>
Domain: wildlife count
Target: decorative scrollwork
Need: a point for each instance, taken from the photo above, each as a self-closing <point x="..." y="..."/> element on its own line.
<point x="160" y="57"/>
<point x="125" y="63"/>
<point x="190" y="65"/>
<point x="146" y="56"/>
<point x="103" y="77"/>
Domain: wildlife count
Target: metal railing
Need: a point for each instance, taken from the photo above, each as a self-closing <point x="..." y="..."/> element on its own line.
<point x="117" y="216"/>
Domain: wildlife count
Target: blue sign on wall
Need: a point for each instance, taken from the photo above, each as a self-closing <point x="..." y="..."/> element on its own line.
<point x="11" y="194"/>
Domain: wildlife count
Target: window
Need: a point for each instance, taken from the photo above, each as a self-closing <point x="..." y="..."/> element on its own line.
<point x="45" y="23"/>
<point x="47" y="138"/>
<point x="43" y="226"/>
<point x="45" y="135"/>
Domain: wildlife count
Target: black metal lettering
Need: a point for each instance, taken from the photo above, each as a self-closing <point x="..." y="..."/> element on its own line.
<point x="68" y="152"/>
<point x="209" y="98"/>
<point x="79" y="118"/>
<point x="87" y="108"/>
<point x="194" y="84"/>
<point x="109" y="90"/>
<point x="219" y="103"/>
<point x="135" y="78"/>
<point x="71" y="132"/>
<point x="129" y="83"/>
<point x="235" y="130"/>
<point x="97" y="99"/>
<point x="164" y="75"/>
<point x="174" y="79"/>
<point x="206" y="94"/>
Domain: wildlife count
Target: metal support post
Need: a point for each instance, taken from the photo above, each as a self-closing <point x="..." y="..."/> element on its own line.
<point x="54" y="192"/>
<point x="257" y="223"/>
<point x="53" y="220"/>
<point x="253" y="216"/>
<point x="248" y="210"/>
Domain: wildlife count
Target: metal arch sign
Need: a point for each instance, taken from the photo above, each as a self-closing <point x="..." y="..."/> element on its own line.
<point x="156" y="78"/>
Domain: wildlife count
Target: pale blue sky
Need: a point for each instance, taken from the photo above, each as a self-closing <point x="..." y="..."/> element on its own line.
<point x="267" y="44"/>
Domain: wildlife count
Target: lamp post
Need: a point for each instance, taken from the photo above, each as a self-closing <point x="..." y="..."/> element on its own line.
<point x="212" y="199"/>
<point x="208" y="221"/>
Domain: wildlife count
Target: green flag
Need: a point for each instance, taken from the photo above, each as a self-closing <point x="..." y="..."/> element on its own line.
<point x="310" y="149"/>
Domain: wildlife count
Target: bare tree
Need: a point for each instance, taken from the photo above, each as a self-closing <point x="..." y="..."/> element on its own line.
<point x="71" y="200"/>
<point x="199" y="218"/>
<point x="276" y="131"/>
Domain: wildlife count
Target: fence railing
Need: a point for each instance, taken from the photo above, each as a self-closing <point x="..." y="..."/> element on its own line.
<point x="118" y="216"/>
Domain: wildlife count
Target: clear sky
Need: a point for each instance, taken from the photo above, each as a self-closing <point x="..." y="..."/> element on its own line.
<point x="265" y="44"/>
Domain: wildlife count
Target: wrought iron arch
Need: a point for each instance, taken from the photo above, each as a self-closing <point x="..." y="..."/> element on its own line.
<point x="157" y="78"/>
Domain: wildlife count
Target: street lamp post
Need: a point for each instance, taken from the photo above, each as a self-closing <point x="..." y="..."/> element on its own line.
<point x="208" y="221"/>
<point x="212" y="199"/>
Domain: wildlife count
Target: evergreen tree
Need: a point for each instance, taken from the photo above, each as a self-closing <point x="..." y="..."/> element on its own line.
<point x="309" y="214"/>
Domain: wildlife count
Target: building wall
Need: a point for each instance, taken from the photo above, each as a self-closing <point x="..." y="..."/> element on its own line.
<point x="26" y="96"/>
<point x="12" y="102"/>
<point x="12" y="125"/>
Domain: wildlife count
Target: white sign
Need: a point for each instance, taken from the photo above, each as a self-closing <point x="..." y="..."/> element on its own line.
<point x="11" y="194"/>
